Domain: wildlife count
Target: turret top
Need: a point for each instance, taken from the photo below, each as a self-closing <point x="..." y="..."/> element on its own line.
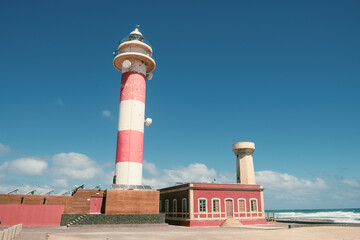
<point x="134" y="46"/>
<point x="135" y="32"/>
<point x="135" y="35"/>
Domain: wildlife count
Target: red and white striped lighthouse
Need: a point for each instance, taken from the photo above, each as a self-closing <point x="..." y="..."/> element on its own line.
<point x="134" y="58"/>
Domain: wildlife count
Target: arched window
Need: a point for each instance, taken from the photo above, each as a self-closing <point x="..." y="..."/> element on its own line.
<point x="184" y="205"/>
<point x="167" y="205"/>
<point x="202" y="205"/>
<point x="242" y="205"/>
<point x="253" y="205"/>
<point x="216" y="205"/>
<point x="174" y="206"/>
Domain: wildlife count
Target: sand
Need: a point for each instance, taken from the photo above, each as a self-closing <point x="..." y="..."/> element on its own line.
<point x="268" y="232"/>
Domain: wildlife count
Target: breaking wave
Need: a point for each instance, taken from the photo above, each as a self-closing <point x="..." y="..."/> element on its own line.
<point x="336" y="215"/>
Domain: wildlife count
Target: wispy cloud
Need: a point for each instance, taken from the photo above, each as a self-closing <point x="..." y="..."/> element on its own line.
<point x="4" y="166"/>
<point x="287" y="183"/>
<point x="4" y="150"/>
<point x="60" y="183"/>
<point x="106" y="114"/>
<point x="197" y="172"/>
<point x="59" y="102"/>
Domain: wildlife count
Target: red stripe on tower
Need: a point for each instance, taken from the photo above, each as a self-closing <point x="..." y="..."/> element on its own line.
<point x="133" y="86"/>
<point x="130" y="146"/>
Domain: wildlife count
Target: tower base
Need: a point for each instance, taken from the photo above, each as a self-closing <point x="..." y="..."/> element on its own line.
<point x="118" y="201"/>
<point x="131" y="187"/>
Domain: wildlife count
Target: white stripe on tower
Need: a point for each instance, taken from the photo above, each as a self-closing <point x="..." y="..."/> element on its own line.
<point x="129" y="153"/>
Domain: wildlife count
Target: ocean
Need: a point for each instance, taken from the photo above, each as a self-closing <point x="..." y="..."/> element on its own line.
<point x="351" y="215"/>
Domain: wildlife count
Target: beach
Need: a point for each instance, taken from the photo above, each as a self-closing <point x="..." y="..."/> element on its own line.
<point x="271" y="231"/>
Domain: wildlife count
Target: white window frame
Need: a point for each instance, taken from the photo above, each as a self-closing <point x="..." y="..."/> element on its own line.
<point x="257" y="205"/>
<point x="174" y="206"/>
<point x="212" y="205"/>
<point x="167" y="205"/>
<point x="199" y="200"/>
<point x="184" y="206"/>
<point x="243" y="199"/>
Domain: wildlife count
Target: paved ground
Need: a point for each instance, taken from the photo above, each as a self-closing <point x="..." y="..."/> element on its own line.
<point x="160" y="232"/>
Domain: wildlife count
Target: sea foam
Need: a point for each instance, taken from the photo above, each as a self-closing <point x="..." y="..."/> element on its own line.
<point x="338" y="216"/>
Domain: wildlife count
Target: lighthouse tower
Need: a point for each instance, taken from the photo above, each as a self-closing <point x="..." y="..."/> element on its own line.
<point x="134" y="58"/>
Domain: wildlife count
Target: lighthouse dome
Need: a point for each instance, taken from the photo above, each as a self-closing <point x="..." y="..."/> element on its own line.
<point x="135" y="35"/>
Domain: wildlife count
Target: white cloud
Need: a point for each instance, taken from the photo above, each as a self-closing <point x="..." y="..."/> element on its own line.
<point x="150" y="168"/>
<point x="282" y="190"/>
<point x="4" y="165"/>
<point x="4" y="150"/>
<point x="106" y="114"/>
<point x="28" y="166"/>
<point x="75" y="166"/>
<point x="59" y="183"/>
<point x="196" y="172"/>
<point x="284" y="182"/>
<point x="351" y="182"/>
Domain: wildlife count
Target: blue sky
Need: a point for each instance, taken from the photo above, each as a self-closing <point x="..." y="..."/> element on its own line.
<point x="284" y="74"/>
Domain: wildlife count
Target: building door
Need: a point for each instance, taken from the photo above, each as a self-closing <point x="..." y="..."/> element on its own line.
<point x="229" y="208"/>
<point x="95" y="204"/>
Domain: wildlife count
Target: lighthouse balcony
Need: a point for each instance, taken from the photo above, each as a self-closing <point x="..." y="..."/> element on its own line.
<point x="124" y="54"/>
<point x="134" y="50"/>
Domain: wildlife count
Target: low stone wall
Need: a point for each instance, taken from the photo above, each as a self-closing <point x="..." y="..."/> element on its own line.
<point x="95" y="219"/>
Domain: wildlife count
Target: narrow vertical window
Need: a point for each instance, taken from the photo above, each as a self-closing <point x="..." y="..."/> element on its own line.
<point x="242" y="205"/>
<point x="216" y="205"/>
<point x="184" y="205"/>
<point x="160" y="207"/>
<point x="202" y="205"/>
<point x="166" y="205"/>
<point x="174" y="205"/>
<point x="253" y="205"/>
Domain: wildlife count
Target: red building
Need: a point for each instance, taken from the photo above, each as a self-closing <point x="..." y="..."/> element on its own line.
<point x="210" y="204"/>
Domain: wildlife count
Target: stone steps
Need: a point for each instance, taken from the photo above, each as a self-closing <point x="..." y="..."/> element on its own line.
<point x="230" y="222"/>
